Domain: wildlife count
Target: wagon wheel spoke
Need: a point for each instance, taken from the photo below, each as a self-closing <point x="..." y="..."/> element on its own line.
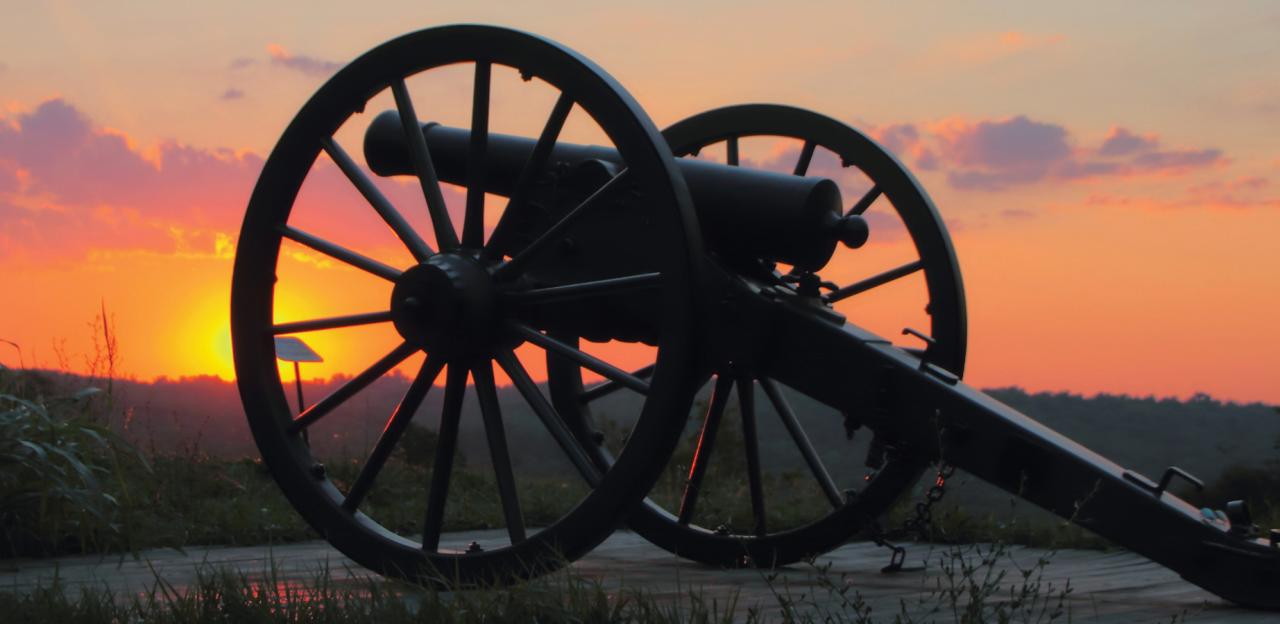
<point x="731" y="150"/>
<point x="806" y="156"/>
<point x="337" y="252"/>
<point x="532" y="168"/>
<point x="581" y="358"/>
<point x="473" y="221"/>
<point x="499" y="454"/>
<point x="446" y="236"/>
<point x="874" y="281"/>
<point x="549" y="417"/>
<point x="405" y="232"/>
<point x="446" y="446"/>
<point x="553" y="233"/>
<point x="609" y="387"/>
<point x="788" y="416"/>
<point x="582" y="290"/>
<point x="334" y="322"/>
<point x="349" y="389"/>
<point x="865" y="201"/>
<point x="394" y="430"/>
<point x="706" y="442"/>
<point x="755" y="481"/>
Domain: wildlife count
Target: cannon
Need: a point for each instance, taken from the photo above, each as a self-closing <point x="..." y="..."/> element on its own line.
<point x="639" y="266"/>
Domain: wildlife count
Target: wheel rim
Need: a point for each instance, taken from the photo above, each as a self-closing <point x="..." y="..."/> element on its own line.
<point x="466" y="274"/>
<point x="893" y="181"/>
<point x="896" y="473"/>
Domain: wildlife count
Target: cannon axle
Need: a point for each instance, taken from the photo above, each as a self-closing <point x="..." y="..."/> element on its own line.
<point x="446" y="305"/>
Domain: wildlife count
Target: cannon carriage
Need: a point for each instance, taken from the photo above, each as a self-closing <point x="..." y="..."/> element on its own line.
<point x="715" y="269"/>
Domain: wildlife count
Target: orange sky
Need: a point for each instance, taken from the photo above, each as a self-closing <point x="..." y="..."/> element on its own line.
<point x="1112" y="184"/>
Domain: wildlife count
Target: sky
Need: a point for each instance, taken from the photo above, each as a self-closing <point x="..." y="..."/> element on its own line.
<point x="1110" y="172"/>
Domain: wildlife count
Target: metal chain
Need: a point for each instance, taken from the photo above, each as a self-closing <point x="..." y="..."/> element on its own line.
<point x="899" y="554"/>
<point x="920" y="524"/>
<point x="924" y="509"/>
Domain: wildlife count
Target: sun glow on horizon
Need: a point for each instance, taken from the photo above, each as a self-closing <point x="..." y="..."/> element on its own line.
<point x="1106" y="243"/>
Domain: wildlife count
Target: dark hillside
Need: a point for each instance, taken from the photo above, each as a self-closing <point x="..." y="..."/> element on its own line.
<point x="1201" y="435"/>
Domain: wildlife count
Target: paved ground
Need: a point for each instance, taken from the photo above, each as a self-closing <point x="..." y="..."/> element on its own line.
<point x="1105" y="587"/>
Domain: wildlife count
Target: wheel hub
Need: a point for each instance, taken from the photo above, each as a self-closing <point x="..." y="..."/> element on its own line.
<point x="445" y="305"/>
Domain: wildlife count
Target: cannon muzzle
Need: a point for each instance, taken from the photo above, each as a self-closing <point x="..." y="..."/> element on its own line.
<point x="744" y="213"/>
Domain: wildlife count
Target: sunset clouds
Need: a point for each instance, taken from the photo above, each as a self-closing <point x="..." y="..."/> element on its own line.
<point x="278" y="58"/>
<point x="67" y="186"/>
<point x="300" y="62"/>
<point x="1109" y="182"/>
<point x="998" y="154"/>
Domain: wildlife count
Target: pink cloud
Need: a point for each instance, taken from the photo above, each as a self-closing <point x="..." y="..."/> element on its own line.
<point x="1240" y="193"/>
<point x="306" y="64"/>
<point x="76" y="166"/>
<point x="1017" y="213"/>
<point x="1017" y="143"/>
<point x="993" y="155"/>
<point x="1121" y="142"/>
<point x="71" y="187"/>
<point x="1177" y="160"/>
<point x="904" y="140"/>
<point x="68" y="187"/>
<point x="898" y="138"/>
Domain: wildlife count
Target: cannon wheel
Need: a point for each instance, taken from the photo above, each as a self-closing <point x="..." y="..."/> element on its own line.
<point x="465" y="273"/>
<point x="852" y="511"/>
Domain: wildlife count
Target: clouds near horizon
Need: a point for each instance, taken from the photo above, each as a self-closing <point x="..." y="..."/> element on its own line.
<point x="999" y="154"/>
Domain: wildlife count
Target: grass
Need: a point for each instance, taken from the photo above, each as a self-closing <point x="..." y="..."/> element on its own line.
<point x="58" y="465"/>
<point x="954" y="525"/>
<point x="70" y="486"/>
<point x="201" y="500"/>
<point x="962" y="584"/>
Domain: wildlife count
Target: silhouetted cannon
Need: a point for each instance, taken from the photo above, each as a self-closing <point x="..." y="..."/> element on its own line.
<point x="716" y="265"/>
<point x="744" y="213"/>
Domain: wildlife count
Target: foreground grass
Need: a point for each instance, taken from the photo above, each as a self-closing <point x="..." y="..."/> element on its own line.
<point x="185" y="501"/>
<point x="961" y="584"/>
<point x="221" y="596"/>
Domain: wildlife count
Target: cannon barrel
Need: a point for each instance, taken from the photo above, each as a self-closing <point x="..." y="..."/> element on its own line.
<point x="744" y="213"/>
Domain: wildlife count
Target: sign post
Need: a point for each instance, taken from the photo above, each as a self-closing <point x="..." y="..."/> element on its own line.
<point x="291" y="349"/>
